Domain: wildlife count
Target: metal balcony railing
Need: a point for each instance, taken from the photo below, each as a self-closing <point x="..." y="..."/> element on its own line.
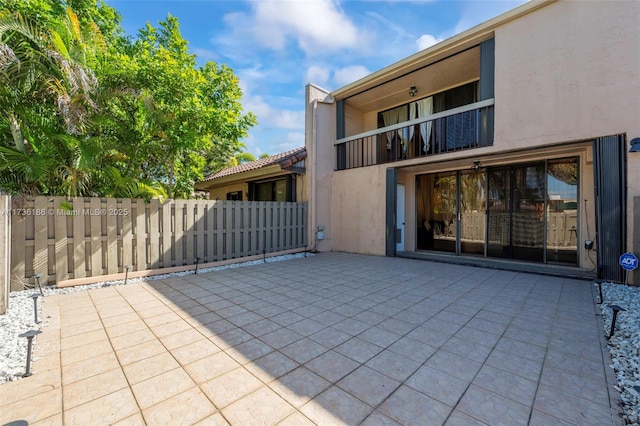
<point x="465" y="127"/>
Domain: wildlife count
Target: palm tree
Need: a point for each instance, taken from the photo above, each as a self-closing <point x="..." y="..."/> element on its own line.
<point x="40" y="83"/>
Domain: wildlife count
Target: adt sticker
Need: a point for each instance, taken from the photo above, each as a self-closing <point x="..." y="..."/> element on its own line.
<point x="629" y="261"/>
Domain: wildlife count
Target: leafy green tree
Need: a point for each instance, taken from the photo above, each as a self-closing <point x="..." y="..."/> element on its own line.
<point x="189" y="112"/>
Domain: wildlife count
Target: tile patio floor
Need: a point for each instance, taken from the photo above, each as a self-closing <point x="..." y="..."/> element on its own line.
<point x="331" y="339"/>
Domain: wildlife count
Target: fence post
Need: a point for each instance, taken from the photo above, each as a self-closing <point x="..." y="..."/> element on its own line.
<point x="5" y="251"/>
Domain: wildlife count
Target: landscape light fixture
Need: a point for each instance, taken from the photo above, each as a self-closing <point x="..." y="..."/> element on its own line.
<point x="413" y="91"/>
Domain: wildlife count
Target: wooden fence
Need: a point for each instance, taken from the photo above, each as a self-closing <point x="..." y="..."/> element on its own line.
<point x="66" y="238"/>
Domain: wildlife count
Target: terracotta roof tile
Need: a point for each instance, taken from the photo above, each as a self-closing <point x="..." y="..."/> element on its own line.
<point x="285" y="159"/>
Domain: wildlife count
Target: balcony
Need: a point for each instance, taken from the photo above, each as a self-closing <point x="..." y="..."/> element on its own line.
<point x="466" y="127"/>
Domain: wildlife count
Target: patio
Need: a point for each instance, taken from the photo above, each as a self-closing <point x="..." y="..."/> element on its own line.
<point x="332" y="339"/>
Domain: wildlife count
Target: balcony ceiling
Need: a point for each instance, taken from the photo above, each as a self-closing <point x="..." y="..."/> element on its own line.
<point x="450" y="72"/>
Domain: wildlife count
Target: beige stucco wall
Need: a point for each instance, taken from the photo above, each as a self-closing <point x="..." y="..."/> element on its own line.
<point x="221" y="193"/>
<point x="571" y="71"/>
<point x="359" y="210"/>
<point x="320" y="134"/>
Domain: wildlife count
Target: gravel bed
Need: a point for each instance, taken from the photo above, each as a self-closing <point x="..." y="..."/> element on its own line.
<point x="624" y="345"/>
<point x="20" y="316"/>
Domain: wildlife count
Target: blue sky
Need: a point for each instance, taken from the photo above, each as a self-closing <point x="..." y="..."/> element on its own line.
<point x="276" y="47"/>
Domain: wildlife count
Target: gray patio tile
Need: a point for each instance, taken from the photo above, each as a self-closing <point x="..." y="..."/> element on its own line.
<point x="379" y="336"/>
<point x="261" y="327"/>
<point x="396" y="326"/>
<point x="410" y="407"/>
<point x="571" y="409"/>
<point x="243" y="319"/>
<point x="358" y="350"/>
<point x="492" y="408"/>
<point x="506" y="384"/>
<point x="330" y="337"/>
<point x="454" y="365"/>
<point x="393" y="365"/>
<point x="286" y="318"/>
<point x="368" y="385"/>
<point x="231" y="338"/>
<point x="438" y="385"/>
<point x="413" y="349"/>
<point x="303" y="350"/>
<point x="346" y="309"/>
<point x="429" y="336"/>
<point x="539" y="418"/>
<point x="534" y="337"/>
<point x="514" y="364"/>
<point x="210" y="367"/>
<point x="309" y="310"/>
<point x="335" y="407"/>
<point x="522" y="349"/>
<point x="203" y="318"/>
<point x="351" y="326"/>
<point x="219" y="327"/>
<point x="458" y="418"/>
<point x="470" y="350"/>
<point x="306" y="326"/>
<point x="299" y="386"/>
<point x="453" y="317"/>
<point x="194" y="351"/>
<point x="271" y="366"/>
<point x="378" y="419"/>
<point x="588" y="386"/>
<point x="270" y="310"/>
<point x="328" y="317"/>
<point x="332" y="366"/>
<point x="249" y="351"/>
<point x="486" y="325"/>
<point x="280" y="338"/>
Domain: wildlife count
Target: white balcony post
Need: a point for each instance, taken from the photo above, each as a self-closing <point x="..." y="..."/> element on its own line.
<point x="5" y="251"/>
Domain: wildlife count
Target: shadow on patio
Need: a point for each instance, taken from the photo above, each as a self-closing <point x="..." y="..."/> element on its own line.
<point x="331" y="339"/>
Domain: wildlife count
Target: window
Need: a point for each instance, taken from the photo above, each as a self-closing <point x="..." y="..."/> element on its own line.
<point x="282" y="189"/>
<point x="234" y="196"/>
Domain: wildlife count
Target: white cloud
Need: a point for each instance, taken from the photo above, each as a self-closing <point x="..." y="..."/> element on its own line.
<point x="317" y="74"/>
<point x="271" y="117"/>
<point x="317" y="25"/>
<point x="426" y="40"/>
<point x="350" y="74"/>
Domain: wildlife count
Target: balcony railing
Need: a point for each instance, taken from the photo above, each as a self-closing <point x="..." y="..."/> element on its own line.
<point x="465" y="127"/>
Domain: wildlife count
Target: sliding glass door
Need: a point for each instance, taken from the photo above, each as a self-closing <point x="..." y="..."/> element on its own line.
<point x="523" y="212"/>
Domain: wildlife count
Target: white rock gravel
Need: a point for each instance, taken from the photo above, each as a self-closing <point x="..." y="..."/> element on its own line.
<point x="20" y="316"/>
<point x="624" y="345"/>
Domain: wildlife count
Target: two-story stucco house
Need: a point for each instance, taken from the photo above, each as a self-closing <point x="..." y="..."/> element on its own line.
<point x="512" y="144"/>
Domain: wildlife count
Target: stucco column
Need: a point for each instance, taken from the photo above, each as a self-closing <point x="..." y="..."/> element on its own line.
<point x="5" y="251"/>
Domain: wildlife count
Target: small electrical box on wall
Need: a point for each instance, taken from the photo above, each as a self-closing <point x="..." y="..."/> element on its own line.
<point x="320" y="232"/>
<point x="588" y="244"/>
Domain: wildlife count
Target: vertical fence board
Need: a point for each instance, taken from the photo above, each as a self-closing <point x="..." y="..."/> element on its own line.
<point x="220" y="230"/>
<point x="237" y="232"/>
<point x="244" y="229"/>
<point x="200" y="229"/>
<point x="179" y="231"/>
<point x="229" y="231"/>
<point x="79" y="265"/>
<point x="167" y="233"/>
<point x="40" y="261"/>
<point x="95" y="215"/>
<point x="190" y="207"/>
<point x="18" y="235"/>
<point x="211" y="225"/>
<point x="268" y="223"/>
<point x="154" y="234"/>
<point x="126" y="234"/>
<point x="112" y="235"/>
<point x="61" y="243"/>
<point x="140" y="235"/>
